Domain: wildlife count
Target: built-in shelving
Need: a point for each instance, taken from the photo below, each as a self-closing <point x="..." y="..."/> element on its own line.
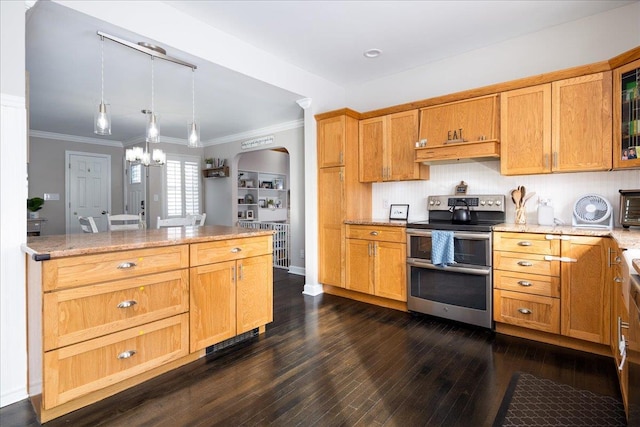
<point x="262" y="196"/>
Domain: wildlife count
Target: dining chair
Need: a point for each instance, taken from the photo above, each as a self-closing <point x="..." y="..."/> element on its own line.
<point x="87" y="224"/>
<point x="198" y="219"/>
<point x="175" y="222"/>
<point x="125" y="222"/>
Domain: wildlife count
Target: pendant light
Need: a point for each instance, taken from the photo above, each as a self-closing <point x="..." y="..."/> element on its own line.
<point x="153" y="129"/>
<point x="102" y="119"/>
<point x="193" y="132"/>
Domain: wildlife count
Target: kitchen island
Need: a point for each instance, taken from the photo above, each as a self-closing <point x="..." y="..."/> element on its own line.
<point x="107" y="311"/>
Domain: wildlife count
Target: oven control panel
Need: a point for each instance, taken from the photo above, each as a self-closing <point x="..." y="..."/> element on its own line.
<point x="491" y="202"/>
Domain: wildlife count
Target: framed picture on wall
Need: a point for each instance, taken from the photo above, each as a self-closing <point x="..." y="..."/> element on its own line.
<point x="278" y="184"/>
<point x="250" y="214"/>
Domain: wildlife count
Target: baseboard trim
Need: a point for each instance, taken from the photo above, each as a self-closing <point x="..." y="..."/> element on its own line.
<point x="13" y="396"/>
<point x="313" y="290"/>
<point x="300" y="271"/>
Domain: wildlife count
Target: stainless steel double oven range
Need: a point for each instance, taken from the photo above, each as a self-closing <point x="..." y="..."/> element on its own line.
<point x="461" y="291"/>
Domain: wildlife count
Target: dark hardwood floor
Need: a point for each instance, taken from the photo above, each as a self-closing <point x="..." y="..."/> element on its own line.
<point x="330" y="361"/>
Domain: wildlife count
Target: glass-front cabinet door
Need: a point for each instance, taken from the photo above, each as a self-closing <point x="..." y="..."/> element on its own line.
<point x="626" y="116"/>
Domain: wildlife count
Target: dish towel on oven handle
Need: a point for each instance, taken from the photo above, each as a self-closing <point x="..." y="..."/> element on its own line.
<point x="442" y="248"/>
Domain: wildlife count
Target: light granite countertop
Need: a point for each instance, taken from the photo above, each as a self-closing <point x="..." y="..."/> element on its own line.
<point x="64" y="245"/>
<point x="380" y="222"/>
<point x="627" y="238"/>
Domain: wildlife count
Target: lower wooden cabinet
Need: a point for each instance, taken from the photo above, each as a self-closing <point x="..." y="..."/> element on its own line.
<point x="376" y="261"/>
<point x="74" y="371"/>
<point x="561" y="289"/>
<point x="231" y="297"/>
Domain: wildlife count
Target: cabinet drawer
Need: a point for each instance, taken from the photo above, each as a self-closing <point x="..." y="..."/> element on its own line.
<point x="88" y="269"/>
<point x="529" y="311"/>
<point x="534" y="284"/>
<point x="377" y="233"/>
<point x="74" y="371"/>
<point x="525" y="263"/>
<point x="79" y="314"/>
<point x="527" y="243"/>
<point x="228" y="250"/>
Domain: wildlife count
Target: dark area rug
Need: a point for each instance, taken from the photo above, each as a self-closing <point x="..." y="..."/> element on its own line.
<point x="533" y="401"/>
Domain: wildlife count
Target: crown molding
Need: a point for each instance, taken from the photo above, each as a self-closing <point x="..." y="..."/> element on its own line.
<point x="255" y="133"/>
<point x="73" y="138"/>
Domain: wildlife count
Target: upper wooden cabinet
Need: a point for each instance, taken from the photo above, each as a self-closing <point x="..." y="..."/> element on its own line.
<point x="460" y="130"/>
<point x="386" y="148"/>
<point x="334" y="134"/>
<point x="564" y="126"/>
<point x="626" y="116"/>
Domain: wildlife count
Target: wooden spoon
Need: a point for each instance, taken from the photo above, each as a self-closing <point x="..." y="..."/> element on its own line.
<point x="516" y="196"/>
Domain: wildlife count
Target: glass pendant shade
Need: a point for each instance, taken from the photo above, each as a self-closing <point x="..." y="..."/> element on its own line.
<point x="102" y="120"/>
<point x="153" y="129"/>
<point x="193" y="138"/>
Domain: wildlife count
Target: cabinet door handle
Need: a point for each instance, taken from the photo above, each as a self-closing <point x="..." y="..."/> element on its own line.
<point x="126" y="264"/>
<point x="127" y="304"/>
<point x="524" y="311"/>
<point x="524" y="243"/>
<point x="236" y="250"/>
<point x="233" y="274"/>
<point x="524" y="264"/>
<point x="617" y="279"/>
<point x="375" y="249"/>
<point x="559" y="258"/>
<point x="240" y="270"/>
<point x="524" y="283"/>
<point x="126" y="354"/>
<point x="374" y="233"/>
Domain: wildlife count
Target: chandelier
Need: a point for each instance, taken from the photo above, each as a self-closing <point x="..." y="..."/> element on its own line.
<point x="102" y="122"/>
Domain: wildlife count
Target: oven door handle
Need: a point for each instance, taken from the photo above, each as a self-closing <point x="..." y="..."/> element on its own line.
<point x="466" y="270"/>
<point x="456" y="235"/>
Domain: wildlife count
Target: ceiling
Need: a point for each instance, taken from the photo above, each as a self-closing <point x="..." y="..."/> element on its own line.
<point x="326" y="38"/>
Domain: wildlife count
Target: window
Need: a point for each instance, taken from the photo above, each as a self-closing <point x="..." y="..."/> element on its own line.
<point x="136" y="174"/>
<point x="182" y="186"/>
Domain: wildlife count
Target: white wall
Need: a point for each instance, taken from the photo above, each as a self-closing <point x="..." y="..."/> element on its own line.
<point x="221" y="194"/>
<point x="13" y="193"/>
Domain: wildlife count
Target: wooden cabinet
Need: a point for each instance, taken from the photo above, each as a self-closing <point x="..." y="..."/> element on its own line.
<point x="386" y="148"/>
<point x="340" y="194"/>
<point x="335" y="133"/>
<point x="626" y="116"/>
<point x="231" y="289"/>
<point x="526" y="285"/>
<point x="586" y="289"/>
<point x="376" y="261"/>
<point x="564" y="126"/>
<point x="553" y="283"/>
<point x="619" y="316"/>
<point x="105" y="319"/>
<point x="74" y="371"/>
<point x="460" y="130"/>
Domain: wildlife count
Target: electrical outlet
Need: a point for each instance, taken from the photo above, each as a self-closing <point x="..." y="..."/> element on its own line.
<point x="385" y="203"/>
<point x="301" y="253"/>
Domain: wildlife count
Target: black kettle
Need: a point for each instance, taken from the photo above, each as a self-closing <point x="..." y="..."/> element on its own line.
<point x="462" y="215"/>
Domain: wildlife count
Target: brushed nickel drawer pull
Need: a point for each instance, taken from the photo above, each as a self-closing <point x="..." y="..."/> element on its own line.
<point x="524" y="283"/>
<point x="524" y="264"/>
<point x="126" y="264"/>
<point x="236" y="250"/>
<point x="524" y="310"/>
<point x="374" y="233"/>
<point x="126" y="354"/>
<point x="559" y="258"/>
<point x="524" y="243"/>
<point x="127" y="304"/>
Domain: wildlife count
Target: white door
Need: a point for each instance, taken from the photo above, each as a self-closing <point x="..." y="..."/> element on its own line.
<point x="135" y="189"/>
<point x="88" y="189"/>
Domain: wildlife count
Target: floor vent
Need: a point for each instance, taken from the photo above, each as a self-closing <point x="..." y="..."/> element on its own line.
<point x="232" y="341"/>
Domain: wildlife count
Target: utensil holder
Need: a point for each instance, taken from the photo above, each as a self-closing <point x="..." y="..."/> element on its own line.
<point x="521" y="215"/>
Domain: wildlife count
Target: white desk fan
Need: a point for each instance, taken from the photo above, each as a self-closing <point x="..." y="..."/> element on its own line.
<point x="592" y="211"/>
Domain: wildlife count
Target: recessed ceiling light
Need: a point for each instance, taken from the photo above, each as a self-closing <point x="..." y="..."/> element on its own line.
<point x="372" y="53"/>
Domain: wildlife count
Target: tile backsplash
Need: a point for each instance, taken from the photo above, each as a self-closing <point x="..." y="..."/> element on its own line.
<point x="484" y="178"/>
